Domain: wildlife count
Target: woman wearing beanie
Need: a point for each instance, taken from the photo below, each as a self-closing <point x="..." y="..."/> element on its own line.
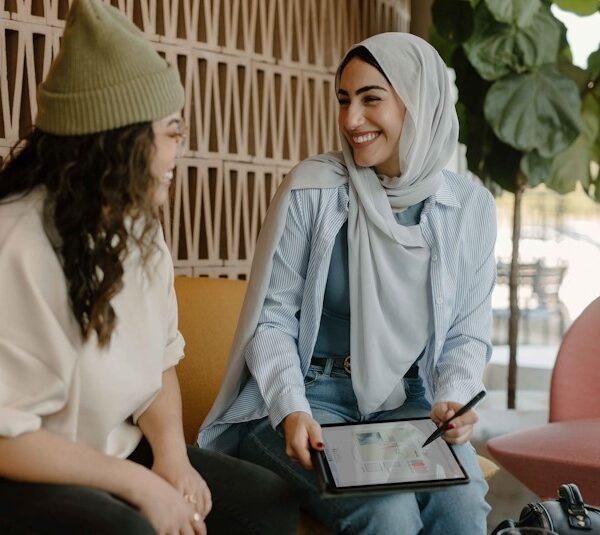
<point x="379" y="258"/>
<point x="91" y="439"/>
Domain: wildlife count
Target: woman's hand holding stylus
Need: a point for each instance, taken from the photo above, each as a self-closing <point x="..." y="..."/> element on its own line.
<point x="461" y="428"/>
<point x="302" y="432"/>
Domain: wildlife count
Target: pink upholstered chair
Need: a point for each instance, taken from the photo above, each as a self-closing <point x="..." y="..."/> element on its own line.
<point x="567" y="448"/>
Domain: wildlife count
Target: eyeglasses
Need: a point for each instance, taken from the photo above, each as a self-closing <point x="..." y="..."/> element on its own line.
<point x="173" y="128"/>
<point x="181" y="143"/>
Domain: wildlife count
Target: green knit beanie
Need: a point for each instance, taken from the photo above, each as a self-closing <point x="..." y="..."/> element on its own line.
<point x="106" y="75"/>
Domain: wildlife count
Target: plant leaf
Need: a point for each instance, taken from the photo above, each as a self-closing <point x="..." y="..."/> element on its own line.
<point x="444" y="47"/>
<point x="570" y="167"/>
<point x="575" y="73"/>
<point x="573" y="164"/>
<point x="595" y="182"/>
<point x="518" y="12"/>
<point x="472" y="88"/>
<point x="596" y="152"/>
<point x="535" y="168"/>
<point x="490" y="47"/>
<point x="474" y="132"/>
<point x="539" y="42"/>
<point x="487" y="157"/>
<point x="538" y="110"/>
<point x="453" y="19"/>
<point x="502" y="164"/>
<point x="593" y="64"/>
<point x="496" y="49"/>
<point x="581" y="7"/>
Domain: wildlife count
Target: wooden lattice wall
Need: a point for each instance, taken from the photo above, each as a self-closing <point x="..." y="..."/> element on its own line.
<point x="258" y="78"/>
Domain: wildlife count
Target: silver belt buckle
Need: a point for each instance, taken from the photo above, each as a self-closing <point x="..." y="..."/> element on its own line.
<point x="347" y="366"/>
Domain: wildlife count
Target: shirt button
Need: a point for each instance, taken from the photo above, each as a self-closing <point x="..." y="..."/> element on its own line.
<point x="434" y="257"/>
<point x="439" y="300"/>
<point x="424" y="218"/>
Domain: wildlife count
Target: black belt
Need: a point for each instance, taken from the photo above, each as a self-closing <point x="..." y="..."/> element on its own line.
<point x="343" y="364"/>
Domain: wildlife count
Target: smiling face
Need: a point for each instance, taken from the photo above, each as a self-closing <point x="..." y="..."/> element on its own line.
<point x="370" y="117"/>
<point x="168" y="136"/>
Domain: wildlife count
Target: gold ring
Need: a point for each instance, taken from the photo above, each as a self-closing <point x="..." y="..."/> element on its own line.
<point x="190" y="498"/>
<point x="196" y="517"/>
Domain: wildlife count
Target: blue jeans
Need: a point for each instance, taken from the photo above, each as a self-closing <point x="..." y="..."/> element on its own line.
<point x="455" y="510"/>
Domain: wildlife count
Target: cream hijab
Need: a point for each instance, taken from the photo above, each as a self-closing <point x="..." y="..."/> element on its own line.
<point x="382" y="253"/>
<point x="389" y="263"/>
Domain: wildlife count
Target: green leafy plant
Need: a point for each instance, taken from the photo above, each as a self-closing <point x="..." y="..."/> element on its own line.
<point x="527" y="114"/>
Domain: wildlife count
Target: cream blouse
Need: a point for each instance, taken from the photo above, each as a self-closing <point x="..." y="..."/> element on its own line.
<point x="50" y="378"/>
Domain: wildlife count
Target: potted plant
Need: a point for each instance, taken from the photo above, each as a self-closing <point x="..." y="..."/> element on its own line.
<point x="527" y="114"/>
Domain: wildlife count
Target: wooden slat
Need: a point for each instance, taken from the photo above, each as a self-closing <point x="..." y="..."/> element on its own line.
<point x="258" y="78"/>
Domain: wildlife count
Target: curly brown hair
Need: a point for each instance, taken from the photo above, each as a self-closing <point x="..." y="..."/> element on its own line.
<point x="94" y="184"/>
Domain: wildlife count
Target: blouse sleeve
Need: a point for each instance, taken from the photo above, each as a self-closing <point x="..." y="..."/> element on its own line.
<point x="467" y="346"/>
<point x="163" y="282"/>
<point x="272" y="353"/>
<point x="38" y="333"/>
<point x="175" y="343"/>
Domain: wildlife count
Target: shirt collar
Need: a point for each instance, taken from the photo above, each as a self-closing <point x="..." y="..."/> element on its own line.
<point x="445" y="194"/>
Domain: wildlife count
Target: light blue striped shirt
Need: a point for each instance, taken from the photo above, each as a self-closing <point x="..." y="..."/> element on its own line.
<point x="459" y="225"/>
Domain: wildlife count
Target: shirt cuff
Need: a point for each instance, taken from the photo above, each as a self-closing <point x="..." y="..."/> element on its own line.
<point x="458" y="392"/>
<point x="14" y="423"/>
<point x="287" y="403"/>
<point x="173" y="352"/>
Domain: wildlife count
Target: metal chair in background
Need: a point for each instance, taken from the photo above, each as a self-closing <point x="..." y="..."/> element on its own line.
<point x="543" y="315"/>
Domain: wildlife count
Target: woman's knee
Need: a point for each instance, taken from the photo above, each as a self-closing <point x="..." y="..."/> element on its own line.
<point x="393" y="513"/>
<point x="464" y="511"/>
<point x="69" y="510"/>
<point x="463" y="508"/>
<point x="247" y="498"/>
<point x="258" y="502"/>
<point x="103" y="514"/>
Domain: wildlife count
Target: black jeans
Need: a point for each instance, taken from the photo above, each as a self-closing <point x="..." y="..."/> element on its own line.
<point x="247" y="499"/>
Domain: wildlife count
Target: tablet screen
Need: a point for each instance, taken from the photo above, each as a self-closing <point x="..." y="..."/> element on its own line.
<point x="388" y="453"/>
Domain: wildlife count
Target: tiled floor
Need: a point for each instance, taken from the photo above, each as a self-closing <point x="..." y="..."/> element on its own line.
<point x="507" y="496"/>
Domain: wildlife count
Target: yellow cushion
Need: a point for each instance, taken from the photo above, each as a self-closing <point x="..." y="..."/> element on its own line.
<point x="489" y="468"/>
<point x="208" y="314"/>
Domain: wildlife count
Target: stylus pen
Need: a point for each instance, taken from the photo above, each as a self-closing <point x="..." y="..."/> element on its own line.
<point x="444" y="427"/>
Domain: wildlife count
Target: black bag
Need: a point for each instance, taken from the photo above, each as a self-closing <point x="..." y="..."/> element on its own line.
<point x="568" y="515"/>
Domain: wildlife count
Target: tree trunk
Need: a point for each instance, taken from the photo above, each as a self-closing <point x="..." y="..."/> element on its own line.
<point x="513" y="284"/>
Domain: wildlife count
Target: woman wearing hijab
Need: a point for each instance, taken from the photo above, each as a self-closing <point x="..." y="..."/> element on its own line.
<point x="91" y="439"/>
<point x="369" y="297"/>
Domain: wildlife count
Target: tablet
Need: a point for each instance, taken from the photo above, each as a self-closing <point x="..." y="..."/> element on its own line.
<point x="381" y="457"/>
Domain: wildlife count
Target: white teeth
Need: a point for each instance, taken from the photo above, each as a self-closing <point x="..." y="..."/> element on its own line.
<point x="168" y="176"/>
<point x="364" y="138"/>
